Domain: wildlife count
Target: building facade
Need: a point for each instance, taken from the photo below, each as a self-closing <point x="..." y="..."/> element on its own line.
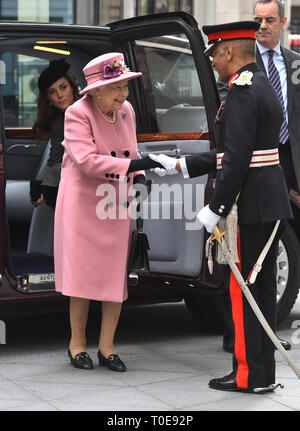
<point x="101" y="12"/>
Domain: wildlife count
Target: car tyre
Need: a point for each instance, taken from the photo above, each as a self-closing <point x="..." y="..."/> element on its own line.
<point x="288" y="272"/>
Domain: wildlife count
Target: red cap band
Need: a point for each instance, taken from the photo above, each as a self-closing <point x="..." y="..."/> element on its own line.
<point x="232" y="34"/>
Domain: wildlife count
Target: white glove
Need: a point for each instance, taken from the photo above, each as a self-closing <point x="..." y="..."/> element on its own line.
<point x="160" y="172"/>
<point x="208" y="218"/>
<point x="169" y="164"/>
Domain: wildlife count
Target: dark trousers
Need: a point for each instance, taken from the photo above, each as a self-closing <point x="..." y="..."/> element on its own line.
<point x="253" y="360"/>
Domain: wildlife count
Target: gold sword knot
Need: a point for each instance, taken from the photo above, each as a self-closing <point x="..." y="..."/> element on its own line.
<point x="218" y="234"/>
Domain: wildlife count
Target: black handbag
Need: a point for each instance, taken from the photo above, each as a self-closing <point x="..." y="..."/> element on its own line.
<point x="138" y="256"/>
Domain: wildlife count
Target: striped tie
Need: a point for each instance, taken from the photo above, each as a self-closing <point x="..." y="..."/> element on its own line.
<point x="275" y="81"/>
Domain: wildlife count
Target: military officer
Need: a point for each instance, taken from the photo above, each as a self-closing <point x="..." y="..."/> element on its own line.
<point x="271" y="58"/>
<point x="248" y="171"/>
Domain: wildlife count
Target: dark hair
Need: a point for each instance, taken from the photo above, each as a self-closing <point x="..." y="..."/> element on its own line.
<point x="47" y="112"/>
<point x="280" y="4"/>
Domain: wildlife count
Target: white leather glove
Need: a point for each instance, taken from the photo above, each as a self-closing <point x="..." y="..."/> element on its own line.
<point x="160" y="172"/>
<point x="208" y="218"/>
<point x="169" y="164"/>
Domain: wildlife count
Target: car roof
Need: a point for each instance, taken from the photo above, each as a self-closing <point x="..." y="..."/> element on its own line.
<point x="18" y="26"/>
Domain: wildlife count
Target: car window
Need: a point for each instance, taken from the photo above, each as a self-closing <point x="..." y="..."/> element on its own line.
<point x="171" y="83"/>
<point x="23" y="60"/>
<point x="20" y="91"/>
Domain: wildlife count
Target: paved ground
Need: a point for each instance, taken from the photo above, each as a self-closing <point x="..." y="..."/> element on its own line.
<point x="169" y="359"/>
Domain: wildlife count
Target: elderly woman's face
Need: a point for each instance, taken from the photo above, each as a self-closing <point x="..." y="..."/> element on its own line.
<point x="60" y="94"/>
<point x="112" y="96"/>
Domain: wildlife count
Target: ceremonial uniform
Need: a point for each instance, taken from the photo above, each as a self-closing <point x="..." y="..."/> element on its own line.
<point x="248" y="126"/>
<point x="248" y="172"/>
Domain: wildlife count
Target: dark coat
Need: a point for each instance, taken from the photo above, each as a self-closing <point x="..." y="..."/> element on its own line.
<point x="293" y="89"/>
<point x="249" y="121"/>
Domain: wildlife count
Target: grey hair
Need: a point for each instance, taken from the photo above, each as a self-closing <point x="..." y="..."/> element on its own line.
<point x="280" y="4"/>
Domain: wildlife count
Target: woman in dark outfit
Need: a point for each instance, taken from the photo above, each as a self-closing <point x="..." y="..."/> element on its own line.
<point x="58" y="90"/>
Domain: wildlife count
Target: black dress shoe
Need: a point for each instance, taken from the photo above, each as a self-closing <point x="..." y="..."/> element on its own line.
<point x="227" y="383"/>
<point x="113" y="362"/>
<point x="81" y="360"/>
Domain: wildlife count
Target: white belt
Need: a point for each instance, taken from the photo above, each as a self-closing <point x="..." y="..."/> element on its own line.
<point x="259" y="158"/>
<point x="257" y="267"/>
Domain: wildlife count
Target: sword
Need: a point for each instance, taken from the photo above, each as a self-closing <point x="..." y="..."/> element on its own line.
<point x="218" y="236"/>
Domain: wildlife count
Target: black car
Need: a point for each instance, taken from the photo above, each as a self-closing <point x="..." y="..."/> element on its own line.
<point x="175" y="102"/>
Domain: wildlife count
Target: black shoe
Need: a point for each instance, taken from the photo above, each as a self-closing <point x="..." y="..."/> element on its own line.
<point x="81" y="360"/>
<point x="113" y="362"/>
<point x="227" y="383"/>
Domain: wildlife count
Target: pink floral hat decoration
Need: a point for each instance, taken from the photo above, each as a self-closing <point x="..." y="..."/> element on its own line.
<point x="106" y="69"/>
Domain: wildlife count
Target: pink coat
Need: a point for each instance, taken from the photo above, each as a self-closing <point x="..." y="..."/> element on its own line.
<point x="90" y="253"/>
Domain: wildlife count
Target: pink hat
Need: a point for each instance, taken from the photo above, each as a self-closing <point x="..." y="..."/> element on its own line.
<point x="106" y="69"/>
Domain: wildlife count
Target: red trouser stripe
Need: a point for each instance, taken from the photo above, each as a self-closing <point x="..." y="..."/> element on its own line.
<point x="236" y="295"/>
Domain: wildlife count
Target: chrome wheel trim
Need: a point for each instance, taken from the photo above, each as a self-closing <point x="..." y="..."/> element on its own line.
<point x="282" y="270"/>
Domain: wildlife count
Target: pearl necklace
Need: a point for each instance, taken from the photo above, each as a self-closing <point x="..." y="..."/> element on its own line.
<point x="106" y="117"/>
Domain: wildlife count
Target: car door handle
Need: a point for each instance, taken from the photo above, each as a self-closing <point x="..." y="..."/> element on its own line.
<point x="175" y="152"/>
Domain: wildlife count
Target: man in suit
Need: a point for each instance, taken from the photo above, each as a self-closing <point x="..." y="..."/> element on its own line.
<point x="248" y="171"/>
<point x="271" y="16"/>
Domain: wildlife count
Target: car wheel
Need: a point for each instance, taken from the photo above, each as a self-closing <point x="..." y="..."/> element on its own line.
<point x="288" y="272"/>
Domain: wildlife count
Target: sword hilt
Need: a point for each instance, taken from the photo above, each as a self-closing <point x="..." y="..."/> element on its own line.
<point x="218" y="234"/>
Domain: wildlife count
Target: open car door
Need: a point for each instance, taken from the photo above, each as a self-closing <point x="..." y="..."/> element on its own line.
<point x="2" y="188"/>
<point x="175" y="102"/>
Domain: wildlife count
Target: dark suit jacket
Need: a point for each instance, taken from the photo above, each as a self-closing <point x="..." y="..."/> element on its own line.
<point x="293" y="90"/>
<point x="251" y="120"/>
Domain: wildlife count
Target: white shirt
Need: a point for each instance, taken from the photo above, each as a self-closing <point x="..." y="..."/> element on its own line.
<point x="280" y="66"/>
